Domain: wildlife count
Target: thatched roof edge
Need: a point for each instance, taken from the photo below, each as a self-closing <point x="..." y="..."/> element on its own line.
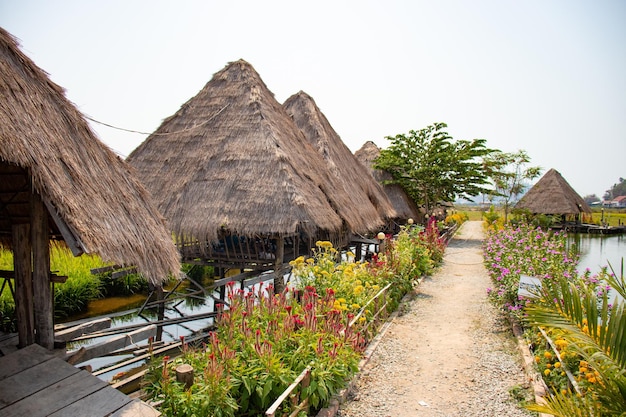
<point x="92" y="190"/>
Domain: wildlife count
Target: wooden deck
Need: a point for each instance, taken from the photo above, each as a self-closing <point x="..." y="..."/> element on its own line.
<point x="34" y="382"/>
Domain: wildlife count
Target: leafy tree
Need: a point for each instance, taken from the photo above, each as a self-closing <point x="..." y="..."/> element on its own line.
<point x="616" y="190"/>
<point x="510" y="174"/>
<point x="433" y="168"/>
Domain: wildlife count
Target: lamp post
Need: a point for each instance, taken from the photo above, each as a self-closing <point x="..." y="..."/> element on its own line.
<point x="381" y="242"/>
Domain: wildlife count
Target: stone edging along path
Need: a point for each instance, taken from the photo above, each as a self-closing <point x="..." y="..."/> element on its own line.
<point x="446" y="351"/>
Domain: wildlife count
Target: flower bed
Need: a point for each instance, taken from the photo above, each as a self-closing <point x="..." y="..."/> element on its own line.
<point x="264" y="340"/>
<point x="573" y="327"/>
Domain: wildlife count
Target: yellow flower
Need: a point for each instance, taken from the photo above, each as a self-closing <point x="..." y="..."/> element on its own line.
<point x="564" y="391"/>
<point x="546" y="372"/>
<point x="547" y="354"/>
<point x="358" y="289"/>
<point x="355" y="306"/>
<point x="557" y="364"/>
<point x="537" y="359"/>
<point x="548" y="365"/>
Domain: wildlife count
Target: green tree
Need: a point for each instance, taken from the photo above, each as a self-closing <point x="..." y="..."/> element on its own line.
<point x="433" y="168"/>
<point x="616" y="190"/>
<point x="510" y="176"/>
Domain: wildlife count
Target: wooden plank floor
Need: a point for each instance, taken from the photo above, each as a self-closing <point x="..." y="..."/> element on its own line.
<point x="34" y="382"/>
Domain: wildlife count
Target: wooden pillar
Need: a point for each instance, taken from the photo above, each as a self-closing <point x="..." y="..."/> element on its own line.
<point x="160" y="311"/>
<point x="23" y="284"/>
<point x="279" y="281"/>
<point x="42" y="293"/>
<point x="358" y="252"/>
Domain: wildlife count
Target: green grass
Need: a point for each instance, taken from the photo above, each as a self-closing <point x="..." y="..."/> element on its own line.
<point x="70" y="297"/>
<point x="613" y="217"/>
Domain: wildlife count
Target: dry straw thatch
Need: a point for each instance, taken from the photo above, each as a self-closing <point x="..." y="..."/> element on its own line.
<point x="403" y="204"/>
<point x="553" y="195"/>
<point x="46" y="142"/>
<point x="231" y="159"/>
<point x="366" y="194"/>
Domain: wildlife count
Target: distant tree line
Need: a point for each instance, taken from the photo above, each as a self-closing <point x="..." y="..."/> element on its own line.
<point x="615" y="191"/>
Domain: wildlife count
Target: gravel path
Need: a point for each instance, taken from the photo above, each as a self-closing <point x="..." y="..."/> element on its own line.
<point x="448" y="352"/>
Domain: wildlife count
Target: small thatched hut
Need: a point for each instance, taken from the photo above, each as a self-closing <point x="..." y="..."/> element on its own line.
<point x="236" y="178"/>
<point x="365" y="192"/>
<point x="552" y="195"/>
<point x="58" y="181"/>
<point x="404" y="205"/>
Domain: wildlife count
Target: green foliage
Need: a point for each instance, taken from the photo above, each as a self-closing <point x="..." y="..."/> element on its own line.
<point x="262" y="343"/>
<point x="510" y="176"/>
<point x="433" y="168"/>
<point x="491" y="217"/>
<point x="527" y="250"/>
<point x="593" y="324"/>
<point x="264" y="340"/>
<point x="616" y="190"/>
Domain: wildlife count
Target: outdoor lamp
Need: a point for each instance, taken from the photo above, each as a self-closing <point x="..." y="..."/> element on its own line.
<point x="380" y="236"/>
<point x="410" y="221"/>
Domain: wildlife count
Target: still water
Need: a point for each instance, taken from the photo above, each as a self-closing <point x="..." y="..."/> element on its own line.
<point x="597" y="251"/>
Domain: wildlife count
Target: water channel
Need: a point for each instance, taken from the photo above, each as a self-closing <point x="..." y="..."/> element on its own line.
<point x="597" y="251"/>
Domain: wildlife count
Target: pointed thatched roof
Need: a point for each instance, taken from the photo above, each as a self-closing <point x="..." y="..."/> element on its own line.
<point x="553" y="195"/>
<point x="403" y="204"/>
<point x="232" y="158"/>
<point x="365" y="192"/>
<point x="94" y="200"/>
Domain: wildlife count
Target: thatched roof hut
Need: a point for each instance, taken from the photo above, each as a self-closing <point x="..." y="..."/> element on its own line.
<point x="553" y="195"/>
<point x="366" y="194"/>
<point x="231" y="161"/>
<point x="58" y="179"/>
<point x="403" y="204"/>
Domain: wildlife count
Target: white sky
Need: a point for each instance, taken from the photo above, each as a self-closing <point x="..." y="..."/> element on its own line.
<point x="547" y="76"/>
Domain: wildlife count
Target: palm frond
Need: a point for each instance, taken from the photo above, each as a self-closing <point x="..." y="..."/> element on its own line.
<point x="567" y="405"/>
<point x="574" y="308"/>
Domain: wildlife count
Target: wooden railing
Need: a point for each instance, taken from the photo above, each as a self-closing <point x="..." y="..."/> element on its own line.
<point x="303" y="380"/>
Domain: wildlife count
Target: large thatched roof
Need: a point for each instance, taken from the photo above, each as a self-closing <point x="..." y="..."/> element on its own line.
<point x="232" y="158"/>
<point x="553" y="195"/>
<point x="365" y="192"/>
<point x="94" y="200"/>
<point x="405" y="206"/>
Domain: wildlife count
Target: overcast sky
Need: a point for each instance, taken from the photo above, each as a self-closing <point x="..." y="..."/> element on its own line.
<point x="546" y="76"/>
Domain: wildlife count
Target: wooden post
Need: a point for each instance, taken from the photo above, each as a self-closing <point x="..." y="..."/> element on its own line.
<point x="358" y="252"/>
<point x="42" y="293"/>
<point x="160" y="311"/>
<point x="23" y="284"/>
<point x="184" y="375"/>
<point x="279" y="280"/>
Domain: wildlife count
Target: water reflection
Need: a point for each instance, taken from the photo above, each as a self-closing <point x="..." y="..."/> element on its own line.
<point x="597" y="251"/>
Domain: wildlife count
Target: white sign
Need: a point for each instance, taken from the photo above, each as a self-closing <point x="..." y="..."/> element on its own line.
<point x="529" y="286"/>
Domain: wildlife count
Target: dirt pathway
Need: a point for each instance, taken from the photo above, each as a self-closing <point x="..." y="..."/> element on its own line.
<point x="448" y="352"/>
